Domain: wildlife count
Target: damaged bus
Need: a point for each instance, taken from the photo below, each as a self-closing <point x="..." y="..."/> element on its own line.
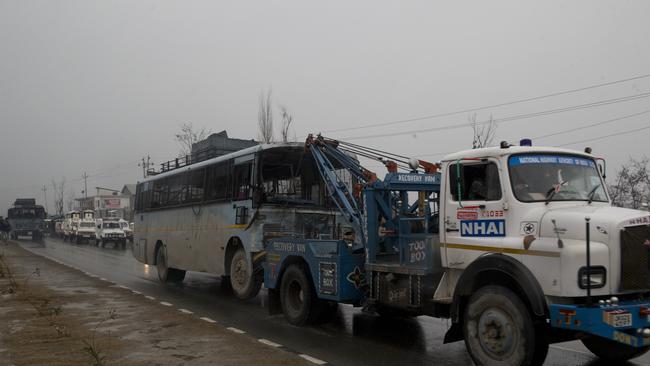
<point x="215" y="215"/>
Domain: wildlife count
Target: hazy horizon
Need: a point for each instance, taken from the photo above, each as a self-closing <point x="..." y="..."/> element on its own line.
<point x="93" y="87"/>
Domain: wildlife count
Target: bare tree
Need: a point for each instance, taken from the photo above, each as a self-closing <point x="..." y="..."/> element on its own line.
<point x="287" y="119"/>
<point x="265" y="118"/>
<point x="59" y="196"/>
<point x="483" y="132"/>
<point x="632" y="184"/>
<point x="189" y="136"/>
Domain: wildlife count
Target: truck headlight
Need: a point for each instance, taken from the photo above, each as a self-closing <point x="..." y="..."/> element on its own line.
<point x="597" y="277"/>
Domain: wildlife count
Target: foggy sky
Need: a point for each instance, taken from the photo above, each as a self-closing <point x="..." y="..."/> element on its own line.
<point x="92" y="86"/>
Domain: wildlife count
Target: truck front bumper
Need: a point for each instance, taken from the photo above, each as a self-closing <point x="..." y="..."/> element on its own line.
<point x="624" y="322"/>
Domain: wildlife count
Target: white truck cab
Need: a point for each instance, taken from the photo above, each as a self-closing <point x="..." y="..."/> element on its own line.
<point x="69" y="224"/>
<point x="109" y="230"/>
<point x="84" y="229"/>
<point x="128" y="231"/>
<point x="538" y="221"/>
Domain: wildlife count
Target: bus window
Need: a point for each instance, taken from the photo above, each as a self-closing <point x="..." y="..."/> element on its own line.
<point x="241" y="182"/>
<point x="218" y="182"/>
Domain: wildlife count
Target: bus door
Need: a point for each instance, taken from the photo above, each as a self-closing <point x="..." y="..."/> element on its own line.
<point x="242" y="178"/>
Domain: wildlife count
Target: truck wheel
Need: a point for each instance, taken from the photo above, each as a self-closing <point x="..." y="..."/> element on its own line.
<point x="612" y="351"/>
<point x="299" y="302"/>
<point x="499" y="329"/>
<point x="244" y="283"/>
<point x="165" y="273"/>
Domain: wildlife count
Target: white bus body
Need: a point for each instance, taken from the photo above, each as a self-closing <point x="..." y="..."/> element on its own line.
<point x="214" y="216"/>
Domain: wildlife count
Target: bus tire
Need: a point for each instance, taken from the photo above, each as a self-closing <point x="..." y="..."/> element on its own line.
<point x="165" y="273"/>
<point x="499" y="329"/>
<point x="298" y="299"/>
<point x="612" y="351"/>
<point x="244" y="283"/>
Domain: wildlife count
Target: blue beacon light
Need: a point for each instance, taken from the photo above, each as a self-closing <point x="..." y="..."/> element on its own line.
<point x="525" y="142"/>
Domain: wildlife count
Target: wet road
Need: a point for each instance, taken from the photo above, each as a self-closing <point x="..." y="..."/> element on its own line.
<point x="351" y="338"/>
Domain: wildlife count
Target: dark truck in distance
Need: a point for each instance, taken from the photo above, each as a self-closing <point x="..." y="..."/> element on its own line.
<point x="26" y="219"/>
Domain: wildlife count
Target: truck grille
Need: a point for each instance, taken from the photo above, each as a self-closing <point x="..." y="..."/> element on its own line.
<point x="635" y="258"/>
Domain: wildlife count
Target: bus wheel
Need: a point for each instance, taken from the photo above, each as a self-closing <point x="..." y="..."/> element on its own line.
<point x="165" y="273"/>
<point x="612" y="351"/>
<point x="297" y="296"/>
<point x="499" y="329"/>
<point x="244" y="283"/>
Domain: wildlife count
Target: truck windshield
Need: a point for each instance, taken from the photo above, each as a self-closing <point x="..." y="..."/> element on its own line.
<point x="548" y="177"/>
<point x="111" y="225"/>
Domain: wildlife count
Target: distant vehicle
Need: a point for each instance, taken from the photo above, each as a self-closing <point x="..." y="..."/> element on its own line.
<point x="110" y="231"/>
<point x="58" y="228"/>
<point x="128" y="231"/>
<point x="70" y="221"/>
<point x="26" y="219"/>
<point x="84" y="230"/>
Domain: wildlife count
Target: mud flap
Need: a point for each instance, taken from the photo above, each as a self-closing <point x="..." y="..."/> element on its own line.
<point x="454" y="334"/>
<point x="274" y="302"/>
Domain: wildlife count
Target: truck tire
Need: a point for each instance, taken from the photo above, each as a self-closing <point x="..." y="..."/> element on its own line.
<point x="245" y="284"/>
<point x="499" y="329"/>
<point x="612" y="351"/>
<point x="165" y="273"/>
<point x="300" y="304"/>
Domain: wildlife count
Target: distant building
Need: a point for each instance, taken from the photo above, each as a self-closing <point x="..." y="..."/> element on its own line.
<point x="108" y="203"/>
<point x="220" y="144"/>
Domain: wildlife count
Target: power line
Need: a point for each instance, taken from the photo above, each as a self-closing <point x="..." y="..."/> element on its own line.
<point x="592" y="125"/>
<point x="474" y="109"/>
<point x="511" y="118"/>
<point x="606" y="136"/>
<point x="570" y="130"/>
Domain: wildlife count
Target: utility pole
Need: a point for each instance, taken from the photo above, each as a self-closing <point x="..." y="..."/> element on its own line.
<point x="44" y="189"/>
<point x="85" y="177"/>
<point x="145" y="164"/>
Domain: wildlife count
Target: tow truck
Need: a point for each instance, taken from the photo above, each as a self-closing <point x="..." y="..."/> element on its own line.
<point x="518" y="246"/>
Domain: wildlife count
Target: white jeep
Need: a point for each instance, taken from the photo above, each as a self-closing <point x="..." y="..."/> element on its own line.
<point x="110" y="231"/>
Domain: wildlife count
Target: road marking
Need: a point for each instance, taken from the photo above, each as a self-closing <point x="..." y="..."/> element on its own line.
<point x="312" y="359"/>
<point x="238" y="331"/>
<point x="208" y="320"/>
<point x="103" y="279"/>
<point x="165" y="303"/>
<point x="136" y="292"/>
<point x="269" y="343"/>
<point x="124" y="287"/>
<point x="185" y="311"/>
<point x="150" y="297"/>
<point x="571" y="350"/>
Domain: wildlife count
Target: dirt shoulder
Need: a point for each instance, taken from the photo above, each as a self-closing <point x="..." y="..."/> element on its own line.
<point x="53" y="315"/>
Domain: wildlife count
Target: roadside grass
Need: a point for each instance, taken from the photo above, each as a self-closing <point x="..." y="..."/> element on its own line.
<point x="93" y="347"/>
<point x="45" y="307"/>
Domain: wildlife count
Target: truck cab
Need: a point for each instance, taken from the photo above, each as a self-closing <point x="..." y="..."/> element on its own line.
<point x="108" y="230"/>
<point x="26" y="219"/>
<point x="538" y="222"/>
<point x="128" y="231"/>
<point x="84" y="230"/>
<point x="69" y="224"/>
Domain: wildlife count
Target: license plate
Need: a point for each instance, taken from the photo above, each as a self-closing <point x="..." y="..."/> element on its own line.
<point x="618" y="319"/>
